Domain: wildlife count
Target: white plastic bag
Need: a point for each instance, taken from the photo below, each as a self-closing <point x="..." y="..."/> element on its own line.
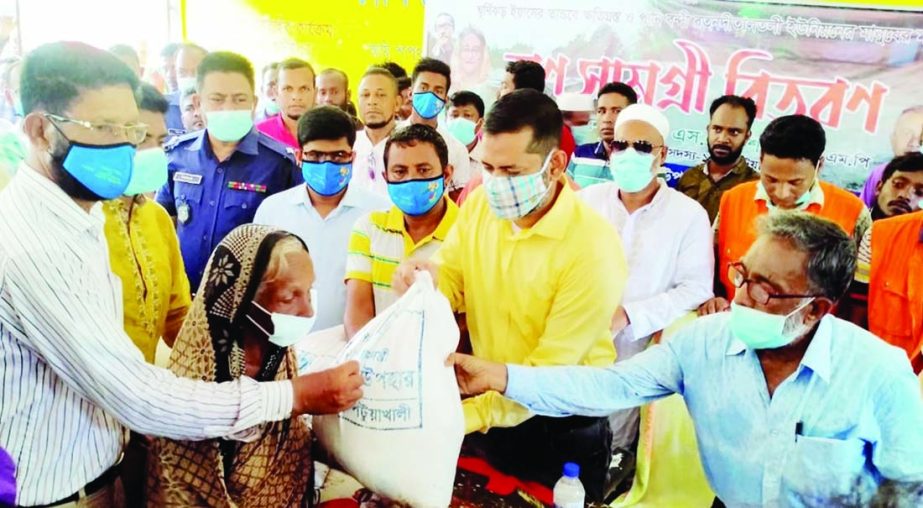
<point x="403" y="438"/>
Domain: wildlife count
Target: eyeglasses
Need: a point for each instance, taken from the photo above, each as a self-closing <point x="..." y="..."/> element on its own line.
<point x="620" y="145"/>
<point x="340" y="156"/>
<point x="759" y="292"/>
<point x="134" y="133"/>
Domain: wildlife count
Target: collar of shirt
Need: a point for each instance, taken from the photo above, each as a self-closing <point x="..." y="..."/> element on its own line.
<point x="60" y="203"/>
<point x="249" y="144"/>
<point x="816" y="197"/>
<point x="600" y="151"/>
<point x="660" y="198"/>
<point x="351" y="199"/>
<point x="556" y="220"/>
<point x="395" y="221"/>
<point x="817" y="356"/>
<point x="738" y="168"/>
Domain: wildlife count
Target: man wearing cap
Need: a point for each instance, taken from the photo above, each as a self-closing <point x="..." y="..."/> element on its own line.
<point x="666" y="236"/>
<point x="590" y="163"/>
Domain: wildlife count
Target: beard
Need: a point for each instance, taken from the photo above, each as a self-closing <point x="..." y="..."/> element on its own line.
<point x="66" y="181"/>
<point x="730" y="158"/>
<point x="380" y="124"/>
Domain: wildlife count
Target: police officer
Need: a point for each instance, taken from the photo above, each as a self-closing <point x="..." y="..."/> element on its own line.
<point x="219" y="176"/>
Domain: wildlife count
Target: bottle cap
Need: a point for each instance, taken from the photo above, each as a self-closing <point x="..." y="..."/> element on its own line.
<point x="571" y="470"/>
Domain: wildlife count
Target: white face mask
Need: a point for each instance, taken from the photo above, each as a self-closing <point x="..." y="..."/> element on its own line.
<point x="287" y="329"/>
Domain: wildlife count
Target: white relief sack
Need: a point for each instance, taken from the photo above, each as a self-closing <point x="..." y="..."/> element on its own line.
<point x="403" y="438"/>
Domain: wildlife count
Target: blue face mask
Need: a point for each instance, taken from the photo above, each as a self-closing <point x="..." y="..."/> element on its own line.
<point x="631" y="170"/>
<point x="326" y="178"/>
<point x="427" y="104"/>
<point x="150" y="172"/>
<point x="417" y="197"/>
<point x="584" y="134"/>
<point x="462" y="129"/>
<point x="106" y="170"/>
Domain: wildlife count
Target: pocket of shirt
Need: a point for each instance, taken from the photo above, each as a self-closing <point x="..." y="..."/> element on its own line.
<point x="188" y="193"/>
<point x="894" y="303"/>
<point x="820" y="470"/>
<point x="242" y="202"/>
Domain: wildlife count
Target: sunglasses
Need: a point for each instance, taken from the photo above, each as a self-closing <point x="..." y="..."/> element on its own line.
<point x="620" y="145"/>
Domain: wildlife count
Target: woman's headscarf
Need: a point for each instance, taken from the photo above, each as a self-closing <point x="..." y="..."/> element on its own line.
<point x="275" y="469"/>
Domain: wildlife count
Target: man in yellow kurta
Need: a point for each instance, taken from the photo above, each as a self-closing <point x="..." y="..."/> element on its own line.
<point x="540" y="276"/>
<point x="143" y="248"/>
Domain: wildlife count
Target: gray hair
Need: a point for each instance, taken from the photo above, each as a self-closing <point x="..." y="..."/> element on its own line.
<point x="831" y="252"/>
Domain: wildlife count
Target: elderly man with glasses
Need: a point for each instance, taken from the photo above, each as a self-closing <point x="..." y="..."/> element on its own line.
<point x="791" y="405"/>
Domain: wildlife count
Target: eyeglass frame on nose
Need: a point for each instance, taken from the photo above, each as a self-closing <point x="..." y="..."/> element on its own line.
<point x="138" y="129"/>
<point x="338" y="156"/>
<point x="737" y="274"/>
<point x="639" y="146"/>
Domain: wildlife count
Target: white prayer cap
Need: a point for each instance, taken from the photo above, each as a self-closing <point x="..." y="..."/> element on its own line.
<point x="570" y="101"/>
<point x="647" y="114"/>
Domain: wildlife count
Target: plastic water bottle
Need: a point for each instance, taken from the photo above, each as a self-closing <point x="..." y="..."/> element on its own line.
<point x="568" y="492"/>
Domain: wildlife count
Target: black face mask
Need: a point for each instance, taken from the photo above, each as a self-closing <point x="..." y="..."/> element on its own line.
<point x="731" y="157"/>
<point x="70" y="185"/>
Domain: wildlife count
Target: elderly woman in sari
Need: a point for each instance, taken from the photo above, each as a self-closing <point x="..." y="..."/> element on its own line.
<point x="255" y="301"/>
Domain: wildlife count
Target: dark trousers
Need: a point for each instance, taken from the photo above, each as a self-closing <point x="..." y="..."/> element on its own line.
<point x="538" y="448"/>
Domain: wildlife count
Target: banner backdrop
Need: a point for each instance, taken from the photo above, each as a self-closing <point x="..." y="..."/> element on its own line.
<point x="854" y="70"/>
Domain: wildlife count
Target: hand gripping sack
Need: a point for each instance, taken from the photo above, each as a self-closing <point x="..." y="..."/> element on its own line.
<point x="403" y="438"/>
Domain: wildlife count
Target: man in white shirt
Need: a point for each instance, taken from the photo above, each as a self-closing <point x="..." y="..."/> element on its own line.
<point x="666" y="236"/>
<point x="431" y="81"/>
<point x="72" y="379"/>
<point x="379" y="102"/>
<point x="322" y="212"/>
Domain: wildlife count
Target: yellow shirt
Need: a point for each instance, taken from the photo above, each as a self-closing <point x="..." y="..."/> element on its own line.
<point x="145" y="255"/>
<point x="380" y="241"/>
<point x="539" y="296"/>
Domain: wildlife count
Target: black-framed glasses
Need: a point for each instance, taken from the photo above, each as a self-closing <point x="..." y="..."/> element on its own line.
<point x="620" y="145"/>
<point x="134" y="133"/>
<point x="339" y="156"/>
<point x="759" y="292"/>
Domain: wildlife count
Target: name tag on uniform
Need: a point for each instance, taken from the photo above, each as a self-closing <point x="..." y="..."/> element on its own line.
<point x="190" y="178"/>
<point x="251" y="187"/>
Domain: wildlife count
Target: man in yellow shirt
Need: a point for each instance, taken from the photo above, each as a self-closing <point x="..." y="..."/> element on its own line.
<point x="417" y="169"/>
<point x="540" y="276"/>
<point x="143" y="248"/>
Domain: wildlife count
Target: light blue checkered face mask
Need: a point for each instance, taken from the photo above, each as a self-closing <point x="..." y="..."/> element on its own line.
<point x="514" y="197"/>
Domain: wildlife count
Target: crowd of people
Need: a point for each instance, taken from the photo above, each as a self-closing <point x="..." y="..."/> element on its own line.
<point x="227" y="218"/>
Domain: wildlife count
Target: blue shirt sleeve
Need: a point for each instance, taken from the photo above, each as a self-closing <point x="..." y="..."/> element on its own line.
<point x="898" y="454"/>
<point x="593" y="391"/>
<point x="165" y="195"/>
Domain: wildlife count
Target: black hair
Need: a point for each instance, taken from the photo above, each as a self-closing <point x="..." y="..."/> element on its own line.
<point x="419" y="133"/>
<point x="736" y="101"/>
<point x="527" y="74"/>
<point x="394" y="68"/>
<point x="530" y="109"/>
<point x="326" y="123"/>
<point x="403" y="84"/>
<point x="55" y="74"/>
<point x="224" y="61"/>
<point x="908" y="163"/>
<point x="435" y="66"/>
<point x="381" y="71"/>
<point x="150" y="99"/>
<point x="794" y="137"/>
<point x="620" y="88"/>
<point x="295" y="63"/>
<point x="170" y="50"/>
<point x="466" y="98"/>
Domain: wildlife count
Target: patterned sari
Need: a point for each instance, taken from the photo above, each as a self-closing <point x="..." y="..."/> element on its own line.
<point x="274" y="469"/>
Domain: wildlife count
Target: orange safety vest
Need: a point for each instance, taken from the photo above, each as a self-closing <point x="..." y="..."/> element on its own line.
<point x="737" y="228"/>
<point x="896" y="283"/>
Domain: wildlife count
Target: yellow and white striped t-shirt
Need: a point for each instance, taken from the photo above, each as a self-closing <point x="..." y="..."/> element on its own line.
<point x="380" y="242"/>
